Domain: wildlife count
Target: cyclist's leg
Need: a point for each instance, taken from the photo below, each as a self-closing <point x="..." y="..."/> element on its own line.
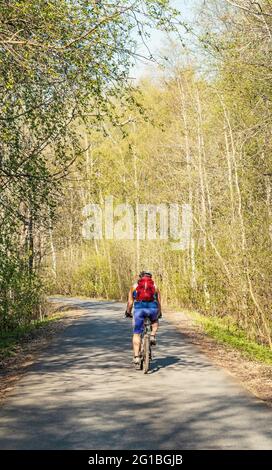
<point x="155" y="327"/>
<point x="153" y="315"/>
<point x="137" y="329"/>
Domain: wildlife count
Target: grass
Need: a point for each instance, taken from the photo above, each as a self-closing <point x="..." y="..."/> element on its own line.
<point x="224" y="331"/>
<point x="10" y="341"/>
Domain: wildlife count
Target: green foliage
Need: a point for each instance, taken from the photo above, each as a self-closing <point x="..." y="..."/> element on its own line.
<point x="202" y="140"/>
<point x="225" y="331"/>
<point x="12" y="339"/>
<point x="62" y="63"/>
<point x="204" y="144"/>
<point x="20" y="295"/>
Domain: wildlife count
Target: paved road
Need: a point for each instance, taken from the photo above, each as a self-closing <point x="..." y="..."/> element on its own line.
<point x="82" y="393"/>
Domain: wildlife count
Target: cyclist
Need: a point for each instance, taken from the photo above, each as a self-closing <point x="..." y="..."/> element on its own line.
<point x="146" y="298"/>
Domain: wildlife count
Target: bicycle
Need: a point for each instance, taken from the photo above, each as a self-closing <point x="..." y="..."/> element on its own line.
<point x="146" y="351"/>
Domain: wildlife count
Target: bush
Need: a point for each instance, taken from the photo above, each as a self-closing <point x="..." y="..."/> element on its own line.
<point x="21" y="295"/>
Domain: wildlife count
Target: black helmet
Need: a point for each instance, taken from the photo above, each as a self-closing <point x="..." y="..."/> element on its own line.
<point x="145" y="273"/>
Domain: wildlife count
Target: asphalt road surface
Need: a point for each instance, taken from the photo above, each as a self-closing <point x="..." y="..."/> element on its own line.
<point x="83" y="393"/>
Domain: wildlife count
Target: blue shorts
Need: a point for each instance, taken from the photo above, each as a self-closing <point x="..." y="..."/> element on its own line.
<point x="142" y="310"/>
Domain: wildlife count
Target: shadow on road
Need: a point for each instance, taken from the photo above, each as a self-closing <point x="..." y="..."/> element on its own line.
<point x="161" y="363"/>
<point x="83" y="393"/>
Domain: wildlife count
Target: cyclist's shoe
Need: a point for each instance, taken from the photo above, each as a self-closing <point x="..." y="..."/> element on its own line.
<point x="153" y="340"/>
<point x="137" y="361"/>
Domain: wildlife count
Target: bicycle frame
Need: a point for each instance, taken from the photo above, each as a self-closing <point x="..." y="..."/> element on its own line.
<point x="146" y="354"/>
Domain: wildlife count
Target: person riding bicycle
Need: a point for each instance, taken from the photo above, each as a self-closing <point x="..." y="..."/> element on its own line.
<point x="146" y="298"/>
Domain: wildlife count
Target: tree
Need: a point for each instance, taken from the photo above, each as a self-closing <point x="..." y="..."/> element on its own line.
<point x="60" y="62"/>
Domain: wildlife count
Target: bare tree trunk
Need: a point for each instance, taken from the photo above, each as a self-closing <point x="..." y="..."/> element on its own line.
<point x="89" y="163"/>
<point x="30" y="243"/>
<point x="53" y="251"/>
<point x="228" y="158"/>
<point x="203" y="209"/>
<point x="136" y="188"/>
<point x="248" y="286"/>
<point x="269" y="205"/>
<point x="191" y="248"/>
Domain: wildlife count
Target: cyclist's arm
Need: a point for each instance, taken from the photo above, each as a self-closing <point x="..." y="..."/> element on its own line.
<point x="159" y="300"/>
<point x="130" y="300"/>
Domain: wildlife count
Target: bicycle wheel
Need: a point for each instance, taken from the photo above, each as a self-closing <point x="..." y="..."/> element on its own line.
<point x="146" y="354"/>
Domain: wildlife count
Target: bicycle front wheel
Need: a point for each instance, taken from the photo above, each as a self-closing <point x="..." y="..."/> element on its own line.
<point x="146" y="358"/>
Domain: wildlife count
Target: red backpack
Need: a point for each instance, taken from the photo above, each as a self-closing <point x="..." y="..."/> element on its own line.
<point x="145" y="290"/>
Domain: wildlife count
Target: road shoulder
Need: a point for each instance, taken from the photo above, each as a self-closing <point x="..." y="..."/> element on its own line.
<point x="254" y="376"/>
<point x="12" y="369"/>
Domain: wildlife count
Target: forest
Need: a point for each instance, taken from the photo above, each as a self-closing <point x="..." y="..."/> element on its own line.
<point x="76" y="129"/>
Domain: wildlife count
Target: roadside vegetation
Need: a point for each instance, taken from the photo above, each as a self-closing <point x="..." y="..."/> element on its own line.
<point x="226" y="332"/>
<point x="12" y="340"/>
<point x="75" y="129"/>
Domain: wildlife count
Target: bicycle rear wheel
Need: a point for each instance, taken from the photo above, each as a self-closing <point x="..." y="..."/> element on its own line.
<point x="146" y="361"/>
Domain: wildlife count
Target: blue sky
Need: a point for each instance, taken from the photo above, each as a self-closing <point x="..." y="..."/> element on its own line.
<point x="158" y="39"/>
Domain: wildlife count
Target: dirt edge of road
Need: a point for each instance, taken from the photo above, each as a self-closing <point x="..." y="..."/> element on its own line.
<point x="12" y="369"/>
<point x="254" y="376"/>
